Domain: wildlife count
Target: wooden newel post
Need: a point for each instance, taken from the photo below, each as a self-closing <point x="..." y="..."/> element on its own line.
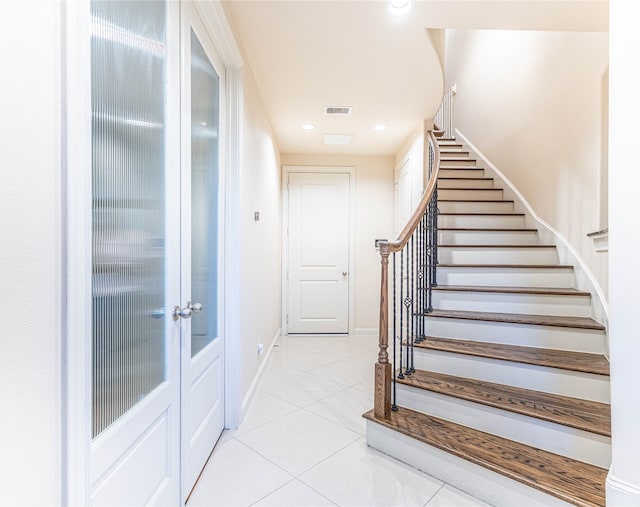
<point x="382" y="389"/>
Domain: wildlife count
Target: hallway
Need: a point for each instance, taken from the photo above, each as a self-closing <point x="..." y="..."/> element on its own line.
<point x="302" y="442"/>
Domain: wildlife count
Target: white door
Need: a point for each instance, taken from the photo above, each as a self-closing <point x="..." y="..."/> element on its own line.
<point x="135" y="385"/>
<point x="202" y="229"/>
<point x="157" y="370"/>
<point x="318" y="253"/>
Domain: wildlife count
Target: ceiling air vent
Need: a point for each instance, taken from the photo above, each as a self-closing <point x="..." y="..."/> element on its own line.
<point x="337" y="110"/>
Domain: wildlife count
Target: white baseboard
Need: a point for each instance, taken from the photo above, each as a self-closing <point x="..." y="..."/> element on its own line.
<point x="620" y="493"/>
<point x="584" y="276"/>
<point x="253" y="388"/>
<point x="366" y="330"/>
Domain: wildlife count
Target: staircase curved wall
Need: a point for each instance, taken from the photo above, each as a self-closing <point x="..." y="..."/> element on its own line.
<point x="534" y="104"/>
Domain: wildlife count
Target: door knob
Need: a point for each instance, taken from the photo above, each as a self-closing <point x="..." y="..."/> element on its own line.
<point x="187" y="311"/>
<point x="178" y="312"/>
<point x="195" y="307"/>
<point x="344" y="273"/>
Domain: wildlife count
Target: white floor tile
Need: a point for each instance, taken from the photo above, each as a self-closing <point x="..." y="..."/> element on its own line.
<point x="264" y="409"/>
<point x="359" y="476"/>
<point x="346" y="372"/>
<point x="302" y="389"/>
<point x="452" y="497"/>
<point x="298" y="441"/>
<point x="236" y="476"/>
<point x="294" y="494"/>
<point x="345" y="408"/>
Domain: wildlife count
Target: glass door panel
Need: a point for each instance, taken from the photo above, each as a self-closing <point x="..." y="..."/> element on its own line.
<point x="205" y="114"/>
<point x="128" y="174"/>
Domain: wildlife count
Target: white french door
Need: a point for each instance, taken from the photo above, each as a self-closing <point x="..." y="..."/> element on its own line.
<point x="157" y="403"/>
<point x="318" y="252"/>
<point x="135" y="372"/>
<point x="202" y="228"/>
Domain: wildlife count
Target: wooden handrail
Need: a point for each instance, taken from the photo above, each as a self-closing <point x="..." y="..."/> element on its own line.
<point x="412" y="224"/>
<point x="382" y="387"/>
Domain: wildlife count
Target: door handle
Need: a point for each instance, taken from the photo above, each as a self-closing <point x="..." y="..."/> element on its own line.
<point x="187" y="311"/>
<point x="344" y="273"/>
<point x="178" y="312"/>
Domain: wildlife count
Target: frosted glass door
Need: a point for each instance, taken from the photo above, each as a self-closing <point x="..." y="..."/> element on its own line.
<point x="135" y="397"/>
<point x="202" y="363"/>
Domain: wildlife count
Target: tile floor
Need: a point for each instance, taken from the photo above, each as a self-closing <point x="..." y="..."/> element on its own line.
<point x="302" y="442"/>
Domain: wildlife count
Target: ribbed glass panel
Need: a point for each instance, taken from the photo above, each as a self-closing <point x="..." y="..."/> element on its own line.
<point x="128" y="145"/>
<point x="205" y="114"/>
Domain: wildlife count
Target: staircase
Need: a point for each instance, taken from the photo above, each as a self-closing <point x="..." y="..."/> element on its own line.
<point x="509" y="399"/>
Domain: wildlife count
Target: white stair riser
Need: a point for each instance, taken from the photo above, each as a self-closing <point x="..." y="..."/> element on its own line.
<point x="456" y="162"/>
<point x="502" y="255"/>
<point x="536" y="304"/>
<point x="481" y="221"/>
<point x="587" y="386"/>
<point x="460" y="173"/>
<point x="548" y="436"/>
<point x="446" y="151"/>
<point x="464" y="183"/>
<point x="491" y="487"/>
<point x="488" y="237"/>
<point x="491" y="194"/>
<point x="527" y="335"/>
<point x="507" y="277"/>
<point x="475" y="207"/>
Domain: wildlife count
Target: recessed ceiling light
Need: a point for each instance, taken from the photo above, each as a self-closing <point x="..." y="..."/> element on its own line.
<point x="380" y="127"/>
<point x="308" y="126"/>
<point x="203" y="123"/>
<point x="399" y="7"/>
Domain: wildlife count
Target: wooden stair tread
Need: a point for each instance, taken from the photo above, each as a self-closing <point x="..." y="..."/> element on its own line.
<point x="481" y="214"/>
<point x="591" y="416"/>
<point x="473" y="200"/>
<point x="556" y="291"/>
<point x="465" y="167"/>
<point x="470" y="189"/>
<point x="508" y="266"/>
<point x="449" y="178"/>
<point x="596" y="364"/>
<point x="517" y="266"/>
<point x="484" y="229"/>
<point x="497" y="246"/>
<point x="573" y="481"/>
<point x="520" y="318"/>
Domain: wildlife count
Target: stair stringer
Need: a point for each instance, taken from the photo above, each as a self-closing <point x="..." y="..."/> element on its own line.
<point x="584" y="277"/>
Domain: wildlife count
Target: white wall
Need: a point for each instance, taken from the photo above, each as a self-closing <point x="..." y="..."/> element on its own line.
<point x="535" y="104"/>
<point x="623" y="485"/>
<point x="260" y="291"/>
<point x="30" y="254"/>
<point x="374" y="219"/>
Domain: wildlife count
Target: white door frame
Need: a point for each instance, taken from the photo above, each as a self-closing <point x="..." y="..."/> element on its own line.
<point x="351" y="171"/>
<point x="76" y="261"/>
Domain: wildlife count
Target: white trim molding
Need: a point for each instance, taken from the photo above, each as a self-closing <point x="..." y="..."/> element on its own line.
<point x="621" y="493"/>
<point x="600" y="240"/>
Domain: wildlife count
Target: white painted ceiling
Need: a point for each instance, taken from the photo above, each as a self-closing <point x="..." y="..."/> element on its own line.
<point x="309" y="54"/>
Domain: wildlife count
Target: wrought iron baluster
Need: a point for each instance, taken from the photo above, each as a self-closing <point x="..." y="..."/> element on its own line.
<point x="401" y="375"/>
<point x="394" y="407"/>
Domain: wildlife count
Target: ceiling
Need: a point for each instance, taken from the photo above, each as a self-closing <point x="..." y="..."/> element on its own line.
<point x="307" y="54"/>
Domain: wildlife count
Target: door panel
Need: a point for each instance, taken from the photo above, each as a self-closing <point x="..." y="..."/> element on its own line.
<point x="203" y="347"/>
<point x="135" y="375"/>
<point x="318" y="253"/>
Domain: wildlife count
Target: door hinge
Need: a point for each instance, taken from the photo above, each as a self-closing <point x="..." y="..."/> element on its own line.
<point x="287" y="319"/>
<point x="287" y="274"/>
